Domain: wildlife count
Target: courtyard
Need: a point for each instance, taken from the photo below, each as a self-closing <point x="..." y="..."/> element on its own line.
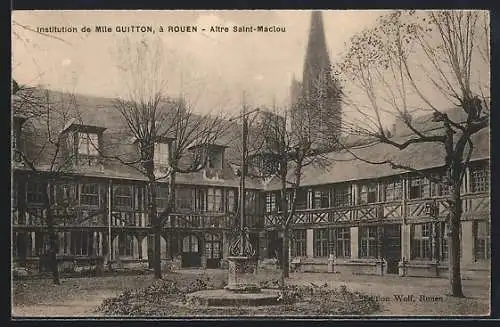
<point x="397" y="296"/>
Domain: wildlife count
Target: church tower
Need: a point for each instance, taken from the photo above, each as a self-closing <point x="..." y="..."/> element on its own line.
<point x="319" y="102"/>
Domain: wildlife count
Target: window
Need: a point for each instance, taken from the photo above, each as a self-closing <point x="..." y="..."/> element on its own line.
<point x="90" y="194"/>
<point x="271" y="200"/>
<point x="368" y="193"/>
<point x="201" y="200"/>
<point x="214" y="200"/>
<point x="335" y="241"/>
<point x="123" y="196"/>
<point x="161" y="155"/>
<point x="343" y="242"/>
<point x="82" y="243"/>
<point x="368" y="242"/>
<point x="439" y="189"/>
<point x="230" y="202"/>
<point x="35" y="192"/>
<point x="299" y="243"/>
<point x="190" y="244"/>
<point x="421" y="241"/>
<point x="212" y="246"/>
<point x="125" y="244"/>
<point x="480" y="178"/>
<point x="214" y="158"/>
<point x="322" y="242"/>
<point x="65" y="193"/>
<point x="419" y="188"/>
<point x="482" y="240"/>
<point x="88" y="144"/>
<point x="184" y="199"/>
<point x="162" y="197"/>
<point x="342" y="196"/>
<point x="393" y="190"/>
<point x="251" y="202"/>
<point x="301" y="201"/>
<point x="321" y="199"/>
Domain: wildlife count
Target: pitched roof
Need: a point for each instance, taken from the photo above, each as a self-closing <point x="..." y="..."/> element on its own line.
<point x="116" y="139"/>
<point x="342" y="166"/>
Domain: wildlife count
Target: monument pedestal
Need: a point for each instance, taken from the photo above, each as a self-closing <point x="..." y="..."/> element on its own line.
<point x="241" y="275"/>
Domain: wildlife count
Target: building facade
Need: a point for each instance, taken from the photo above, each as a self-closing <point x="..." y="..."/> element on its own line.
<point x="352" y="217"/>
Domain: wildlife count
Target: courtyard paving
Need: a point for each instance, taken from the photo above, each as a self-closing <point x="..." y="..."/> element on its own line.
<point x="398" y="296"/>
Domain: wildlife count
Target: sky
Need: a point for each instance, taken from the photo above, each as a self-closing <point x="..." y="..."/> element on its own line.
<point x="212" y="68"/>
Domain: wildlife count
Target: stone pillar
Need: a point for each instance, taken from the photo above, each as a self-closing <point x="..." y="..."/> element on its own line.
<point x="95" y="243"/>
<point x="139" y="246"/>
<point x="60" y="240"/>
<point x="144" y="246"/>
<point x="100" y="243"/>
<point x="466" y="181"/>
<point x="405" y="241"/>
<point x="467" y="242"/>
<point x="354" y="242"/>
<point x="33" y="244"/>
<point x="163" y="247"/>
<point x="114" y="247"/>
<point x="135" y="249"/>
<point x="310" y="243"/>
<point x="68" y="242"/>
<point x="226" y="241"/>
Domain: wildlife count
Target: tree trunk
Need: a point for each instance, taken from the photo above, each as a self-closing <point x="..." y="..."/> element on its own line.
<point x="155" y="222"/>
<point x="455" y="205"/>
<point x="286" y="254"/>
<point x="53" y="266"/>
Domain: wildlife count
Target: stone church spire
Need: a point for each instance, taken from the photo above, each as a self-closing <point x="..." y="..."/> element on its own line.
<point x="316" y="59"/>
<point x="319" y="92"/>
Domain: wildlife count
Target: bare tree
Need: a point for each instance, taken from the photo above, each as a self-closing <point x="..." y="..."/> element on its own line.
<point x="43" y="153"/>
<point x="151" y="117"/>
<point x="413" y="63"/>
<point x="294" y="146"/>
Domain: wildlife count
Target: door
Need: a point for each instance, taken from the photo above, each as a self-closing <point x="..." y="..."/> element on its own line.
<point x="392" y="247"/>
<point x="213" y="250"/>
<point x="190" y="251"/>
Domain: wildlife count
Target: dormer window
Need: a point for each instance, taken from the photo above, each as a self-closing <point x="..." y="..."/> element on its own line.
<point x="83" y="142"/>
<point x="88" y="144"/>
<point x="162" y="154"/>
<point x="210" y="155"/>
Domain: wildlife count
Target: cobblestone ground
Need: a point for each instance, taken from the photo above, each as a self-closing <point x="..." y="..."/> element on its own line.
<point x="398" y="296"/>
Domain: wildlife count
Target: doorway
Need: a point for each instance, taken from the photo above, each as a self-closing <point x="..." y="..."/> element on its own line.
<point x="190" y="251"/>
<point x="391" y="248"/>
<point x="213" y="250"/>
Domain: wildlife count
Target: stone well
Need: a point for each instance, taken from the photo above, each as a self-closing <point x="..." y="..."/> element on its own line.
<point x="241" y="290"/>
